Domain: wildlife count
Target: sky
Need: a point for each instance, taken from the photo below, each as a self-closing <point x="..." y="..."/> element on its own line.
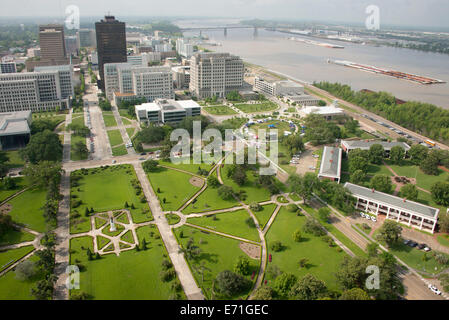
<point x="428" y="13"/>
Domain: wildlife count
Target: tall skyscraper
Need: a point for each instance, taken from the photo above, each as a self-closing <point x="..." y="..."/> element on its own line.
<point x="52" y="42"/>
<point x="111" y="44"/>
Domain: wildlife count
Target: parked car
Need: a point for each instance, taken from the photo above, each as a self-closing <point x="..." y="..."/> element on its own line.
<point x="114" y="161"/>
<point x="421" y="246"/>
<point x="406" y="242"/>
<point x="427" y="249"/>
<point x="434" y="289"/>
<point x="373" y="219"/>
<point x="412" y="244"/>
<point x="143" y="153"/>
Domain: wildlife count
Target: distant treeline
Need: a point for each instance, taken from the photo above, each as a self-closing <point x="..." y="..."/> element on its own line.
<point x="424" y="118"/>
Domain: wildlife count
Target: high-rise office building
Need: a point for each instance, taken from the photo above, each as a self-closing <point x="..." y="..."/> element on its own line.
<point x="45" y="89"/>
<point x="8" y="67"/>
<point x="86" y="38"/>
<point x="215" y="74"/>
<point x="52" y="42"/>
<point x="111" y="44"/>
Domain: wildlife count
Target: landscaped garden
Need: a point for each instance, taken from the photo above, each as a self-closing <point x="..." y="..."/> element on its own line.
<point x="109" y="119"/>
<point x="105" y="189"/>
<point x="221" y="110"/>
<point x="258" y="107"/>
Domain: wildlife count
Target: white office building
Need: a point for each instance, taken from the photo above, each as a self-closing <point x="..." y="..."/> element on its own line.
<point x="215" y="74"/>
<point x="44" y="89"/>
<point x="181" y="76"/>
<point x="123" y="81"/>
<point x="278" y="88"/>
<point x="167" y="111"/>
<point x="184" y="48"/>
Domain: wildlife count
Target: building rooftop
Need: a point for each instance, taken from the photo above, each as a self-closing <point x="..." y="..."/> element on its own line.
<point x="366" y="144"/>
<point x="322" y="110"/>
<point x="392" y="201"/>
<point x="13" y="123"/>
<point x="188" y="104"/>
<point x="331" y="162"/>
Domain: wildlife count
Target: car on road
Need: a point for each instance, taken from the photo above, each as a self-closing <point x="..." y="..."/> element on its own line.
<point x="141" y="159"/>
<point x="434" y="289"/>
<point x="143" y="153"/>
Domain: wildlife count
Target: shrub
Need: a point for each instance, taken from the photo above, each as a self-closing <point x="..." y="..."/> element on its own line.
<point x="276" y="246"/>
<point x="167" y="275"/>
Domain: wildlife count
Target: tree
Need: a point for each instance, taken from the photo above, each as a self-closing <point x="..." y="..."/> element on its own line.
<point x="354" y="294"/>
<point x="440" y="193"/>
<point x="9" y="183"/>
<point x="312" y="226"/>
<point x="430" y="164"/>
<point x="242" y="266"/>
<point x="25" y="270"/>
<point x="225" y="192"/>
<point x="6" y="224"/>
<point x="230" y="284"/>
<point x="382" y="183"/>
<point x="324" y="213"/>
<point x="397" y="154"/>
<point x="372" y="249"/>
<point x="443" y="221"/>
<point x="297" y="236"/>
<point x="308" y="288"/>
<point x="351" y="125"/>
<point x="357" y="177"/>
<point x="43" y="174"/>
<point x="276" y="246"/>
<point x="410" y="192"/>
<point x="213" y="182"/>
<point x="43" y="146"/>
<point x="418" y="153"/>
<point x="303" y="262"/>
<point x="351" y="273"/>
<point x="284" y="283"/>
<point x="357" y="163"/>
<point x="390" y="232"/>
<point x="150" y="165"/>
<point x="376" y="153"/>
<point x="303" y="185"/>
<point x="80" y="149"/>
<point x="264" y="293"/>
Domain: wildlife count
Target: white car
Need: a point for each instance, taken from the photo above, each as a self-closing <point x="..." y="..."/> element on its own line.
<point x="362" y="214"/>
<point x="434" y="289"/>
<point x="373" y="219"/>
<point x="367" y="216"/>
<point x="426" y="249"/>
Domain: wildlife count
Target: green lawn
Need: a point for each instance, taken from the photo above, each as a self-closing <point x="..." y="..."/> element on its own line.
<point x="217" y="254"/>
<point x="190" y="167"/>
<point x="15" y="236"/>
<point x="10" y="256"/>
<point x="220" y="110"/>
<point x="232" y="223"/>
<point x="109" y="119"/>
<point x="265" y="215"/>
<point x="20" y="185"/>
<point x="106" y="189"/>
<point x="14" y="161"/>
<point x="253" y="193"/>
<point x="130" y="132"/>
<point x="125" y="121"/>
<point x="115" y="137"/>
<point x="73" y="140"/>
<point x="13" y="289"/>
<point x="422" y="180"/>
<point x="27" y="209"/>
<point x="132" y="275"/>
<point x="119" y="151"/>
<point x="79" y="120"/>
<point x="281" y="126"/>
<point x="443" y="239"/>
<point x="323" y="260"/>
<point x="174" y="187"/>
<point x="260" y="107"/>
<point x="172" y="218"/>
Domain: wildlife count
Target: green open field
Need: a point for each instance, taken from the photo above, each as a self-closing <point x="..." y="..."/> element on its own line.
<point x="443" y="239"/>
<point x="10" y="256"/>
<point x="220" y="110"/>
<point x="78" y="119"/>
<point x="125" y="121"/>
<point x="15" y="236"/>
<point x="232" y="223"/>
<point x="217" y="254"/>
<point x="190" y="167"/>
<point x="27" y="209"/>
<point x="132" y="275"/>
<point x="281" y="126"/>
<point x="265" y="214"/>
<point x="109" y="119"/>
<point x="73" y="140"/>
<point x="119" y="151"/>
<point x="130" y="132"/>
<point x="115" y="137"/>
<point x="260" y="107"/>
<point x="323" y="260"/>
<point x="253" y="193"/>
<point x="13" y="289"/>
<point x="174" y="186"/>
<point x="20" y="185"/>
<point x="14" y="161"/>
<point x="105" y="189"/>
<point x="172" y="218"/>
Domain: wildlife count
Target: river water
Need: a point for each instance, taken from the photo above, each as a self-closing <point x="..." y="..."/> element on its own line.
<point x="308" y="62"/>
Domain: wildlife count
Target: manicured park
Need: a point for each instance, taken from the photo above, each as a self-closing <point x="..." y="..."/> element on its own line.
<point x="257" y="107"/>
<point x="220" y="110"/>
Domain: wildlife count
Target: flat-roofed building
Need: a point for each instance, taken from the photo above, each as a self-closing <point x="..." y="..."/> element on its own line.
<point x="46" y="89"/>
<point x="166" y="111"/>
<point x="14" y="129"/>
<point x="52" y="42"/>
<point x="8" y="67"/>
<point x="278" y="88"/>
<point x="215" y="74"/>
<point x="349" y="145"/>
<point x="327" y="112"/>
<point x="181" y="76"/>
<point x="126" y="80"/>
<point x="410" y="213"/>
<point x="304" y="100"/>
<point x="330" y="167"/>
